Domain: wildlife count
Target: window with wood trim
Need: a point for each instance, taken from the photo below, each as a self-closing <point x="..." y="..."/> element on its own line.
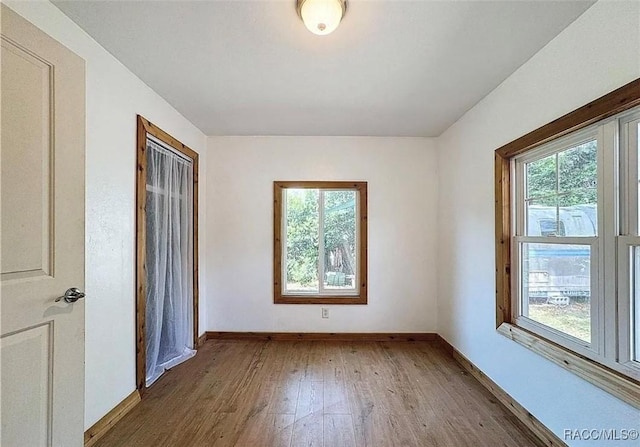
<point x="320" y="242"/>
<point x="568" y="241"/>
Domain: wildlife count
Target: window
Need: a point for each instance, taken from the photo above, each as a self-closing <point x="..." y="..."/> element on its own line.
<point x="568" y="241"/>
<point x="629" y="243"/>
<point x="556" y="184"/>
<point x="320" y="242"/>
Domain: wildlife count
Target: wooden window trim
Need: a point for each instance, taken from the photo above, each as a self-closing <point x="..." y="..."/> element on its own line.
<point x="278" y="296"/>
<point x="617" y="384"/>
<point x="144" y="128"/>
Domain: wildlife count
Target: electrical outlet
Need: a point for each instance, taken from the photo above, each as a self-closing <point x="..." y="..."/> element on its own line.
<point x="325" y="312"/>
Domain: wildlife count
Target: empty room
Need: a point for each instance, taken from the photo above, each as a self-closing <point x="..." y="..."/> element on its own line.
<point x="338" y="223"/>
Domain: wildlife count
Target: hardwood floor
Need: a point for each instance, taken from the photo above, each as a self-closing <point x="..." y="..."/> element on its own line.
<point x="315" y="393"/>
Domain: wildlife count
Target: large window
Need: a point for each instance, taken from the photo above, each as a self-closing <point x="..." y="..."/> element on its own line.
<point x="320" y="242"/>
<point x="557" y="239"/>
<point x="568" y="241"/>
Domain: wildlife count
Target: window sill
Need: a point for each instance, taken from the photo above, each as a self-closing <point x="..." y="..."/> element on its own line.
<point x="614" y="383"/>
<point x="320" y="299"/>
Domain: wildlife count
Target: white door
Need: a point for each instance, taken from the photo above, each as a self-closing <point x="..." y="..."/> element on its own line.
<point x="42" y="242"/>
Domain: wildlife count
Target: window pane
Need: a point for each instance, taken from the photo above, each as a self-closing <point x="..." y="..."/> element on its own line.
<point x="578" y="171"/>
<point x="578" y="189"/>
<point x="543" y="218"/>
<point x="542" y="199"/>
<point x="638" y="152"/>
<point x="562" y="193"/>
<point x="635" y="306"/>
<point x="302" y="240"/>
<point x="546" y="219"/>
<point x="556" y="287"/>
<point x="578" y="219"/>
<point x="541" y="178"/>
<point x="340" y="254"/>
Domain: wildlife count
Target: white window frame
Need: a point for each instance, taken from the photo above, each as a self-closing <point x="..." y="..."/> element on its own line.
<point x="594" y="242"/>
<point x="629" y="239"/>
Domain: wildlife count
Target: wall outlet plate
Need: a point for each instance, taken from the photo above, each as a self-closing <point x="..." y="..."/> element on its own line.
<point x="325" y="312"/>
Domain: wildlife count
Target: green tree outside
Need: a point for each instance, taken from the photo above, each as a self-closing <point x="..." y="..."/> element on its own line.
<point x="565" y="179"/>
<point x="303" y="237"/>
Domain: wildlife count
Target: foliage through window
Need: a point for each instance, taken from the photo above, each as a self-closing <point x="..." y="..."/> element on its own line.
<point x="320" y="242"/>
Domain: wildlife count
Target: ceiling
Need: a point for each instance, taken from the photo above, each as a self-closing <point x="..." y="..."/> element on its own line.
<point x="392" y="68"/>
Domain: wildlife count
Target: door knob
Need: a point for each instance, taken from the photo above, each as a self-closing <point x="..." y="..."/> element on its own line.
<point x="71" y="295"/>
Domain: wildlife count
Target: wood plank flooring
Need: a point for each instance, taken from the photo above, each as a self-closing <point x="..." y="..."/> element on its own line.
<point x="313" y="393"/>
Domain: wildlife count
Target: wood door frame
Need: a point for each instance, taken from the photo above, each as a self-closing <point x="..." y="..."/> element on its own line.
<point x="145" y="128"/>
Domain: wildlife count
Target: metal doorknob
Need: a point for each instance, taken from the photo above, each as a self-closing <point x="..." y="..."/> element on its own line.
<point x="71" y="295"/>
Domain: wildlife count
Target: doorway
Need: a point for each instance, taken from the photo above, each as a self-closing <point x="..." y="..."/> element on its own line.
<point x="167" y="253"/>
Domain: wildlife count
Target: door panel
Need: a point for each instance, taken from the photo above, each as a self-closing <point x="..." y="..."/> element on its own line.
<point x="42" y="96"/>
<point x="26" y="242"/>
<point x="26" y="381"/>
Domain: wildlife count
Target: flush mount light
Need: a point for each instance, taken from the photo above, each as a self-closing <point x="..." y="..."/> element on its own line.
<point x="321" y="16"/>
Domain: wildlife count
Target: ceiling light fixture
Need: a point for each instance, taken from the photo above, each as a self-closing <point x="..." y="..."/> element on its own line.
<point x="321" y="16"/>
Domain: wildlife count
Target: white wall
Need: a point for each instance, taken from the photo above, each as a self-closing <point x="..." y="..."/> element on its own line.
<point x="598" y="53"/>
<point x="401" y="176"/>
<point x="114" y="97"/>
